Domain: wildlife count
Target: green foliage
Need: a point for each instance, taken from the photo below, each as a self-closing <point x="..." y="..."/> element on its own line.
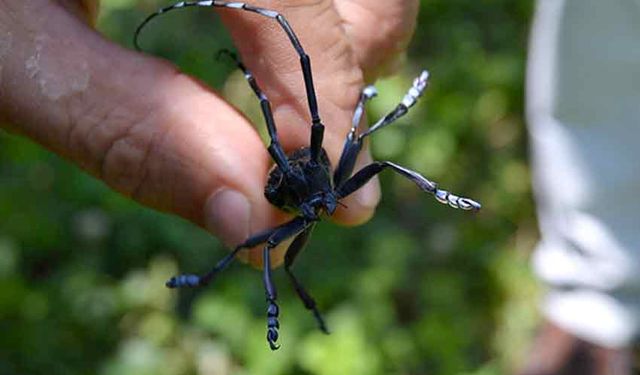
<point x="421" y="289"/>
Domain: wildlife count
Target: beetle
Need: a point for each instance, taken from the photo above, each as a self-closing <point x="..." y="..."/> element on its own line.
<point x="303" y="182"/>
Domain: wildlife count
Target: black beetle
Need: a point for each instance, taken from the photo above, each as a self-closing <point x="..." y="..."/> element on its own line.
<point x="303" y="182"/>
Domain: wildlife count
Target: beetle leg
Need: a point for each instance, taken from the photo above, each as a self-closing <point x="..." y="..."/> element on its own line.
<point x="275" y="149"/>
<point x="193" y="281"/>
<point x="285" y="231"/>
<point x="317" y="129"/>
<point x="270" y="291"/>
<point x="442" y="196"/>
<point x="309" y="303"/>
<point x="353" y="144"/>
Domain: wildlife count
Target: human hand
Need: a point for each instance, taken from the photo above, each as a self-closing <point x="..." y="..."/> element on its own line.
<point x="162" y="138"/>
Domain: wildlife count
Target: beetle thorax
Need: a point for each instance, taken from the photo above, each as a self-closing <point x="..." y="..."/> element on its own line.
<point x="307" y="188"/>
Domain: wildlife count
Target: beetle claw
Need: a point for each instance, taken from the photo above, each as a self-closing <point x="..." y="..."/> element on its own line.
<point x="272" y="337"/>
<point x="181" y="281"/>
<point x="273" y="324"/>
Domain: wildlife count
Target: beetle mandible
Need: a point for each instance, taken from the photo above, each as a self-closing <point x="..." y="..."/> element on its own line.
<point x="303" y="182"/>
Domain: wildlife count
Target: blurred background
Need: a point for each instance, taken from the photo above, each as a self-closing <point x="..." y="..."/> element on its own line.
<point x="420" y="289"/>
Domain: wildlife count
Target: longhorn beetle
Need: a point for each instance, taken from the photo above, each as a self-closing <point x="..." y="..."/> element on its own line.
<point x="303" y="182"/>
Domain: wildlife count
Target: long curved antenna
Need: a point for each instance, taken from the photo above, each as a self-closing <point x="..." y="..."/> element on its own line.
<point x="305" y="62"/>
<point x="275" y="148"/>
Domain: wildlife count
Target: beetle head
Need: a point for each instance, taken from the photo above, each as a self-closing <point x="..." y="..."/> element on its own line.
<point x="330" y="203"/>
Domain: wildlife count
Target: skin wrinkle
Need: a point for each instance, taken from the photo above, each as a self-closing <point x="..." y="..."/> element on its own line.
<point x="178" y="186"/>
<point x="104" y="120"/>
<point x="154" y="142"/>
<point x="119" y="161"/>
<point x="133" y="118"/>
<point x="116" y="113"/>
<point x="84" y="138"/>
<point x="74" y="126"/>
<point x="131" y="138"/>
<point x="157" y="138"/>
<point x="80" y="139"/>
<point x="112" y="151"/>
<point x="6" y="41"/>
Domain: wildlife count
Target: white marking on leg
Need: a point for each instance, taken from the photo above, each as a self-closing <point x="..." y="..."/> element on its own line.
<point x="453" y="200"/>
<point x="235" y="5"/>
<point x="441" y="196"/>
<point x="369" y="92"/>
<point x="268" y="13"/>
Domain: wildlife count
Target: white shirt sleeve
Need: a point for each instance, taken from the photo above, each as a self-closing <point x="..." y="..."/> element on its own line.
<point x="583" y="109"/>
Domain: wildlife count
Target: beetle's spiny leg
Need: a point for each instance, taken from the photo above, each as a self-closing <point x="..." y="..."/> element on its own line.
<point x="420" y="84"/>
<point x="443" y="196"/>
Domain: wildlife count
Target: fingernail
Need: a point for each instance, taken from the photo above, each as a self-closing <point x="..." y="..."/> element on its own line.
<point x="227" y="215"/>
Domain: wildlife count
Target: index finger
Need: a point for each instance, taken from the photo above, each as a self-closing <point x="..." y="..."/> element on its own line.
<point x="337" y="79"/>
